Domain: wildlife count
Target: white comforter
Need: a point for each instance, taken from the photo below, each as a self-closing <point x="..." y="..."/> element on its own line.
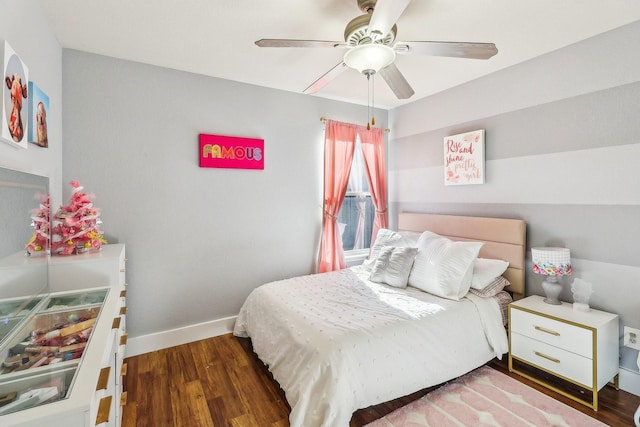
<point x="336" y="342"/>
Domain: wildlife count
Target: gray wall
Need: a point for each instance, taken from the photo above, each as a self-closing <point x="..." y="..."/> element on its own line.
<point x="562" y="152"/>
<point x="198" y="240"/>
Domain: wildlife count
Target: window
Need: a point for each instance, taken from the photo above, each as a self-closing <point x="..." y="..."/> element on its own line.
<point x="357" y="212"/>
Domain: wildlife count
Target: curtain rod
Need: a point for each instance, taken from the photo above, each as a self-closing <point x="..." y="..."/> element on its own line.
<point x="324" y="120"/>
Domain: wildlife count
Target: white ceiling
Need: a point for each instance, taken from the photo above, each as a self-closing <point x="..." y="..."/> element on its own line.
<point x="216" y="38"/>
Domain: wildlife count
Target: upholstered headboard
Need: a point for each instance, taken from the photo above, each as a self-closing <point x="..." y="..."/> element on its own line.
<point x="503" y="239"/>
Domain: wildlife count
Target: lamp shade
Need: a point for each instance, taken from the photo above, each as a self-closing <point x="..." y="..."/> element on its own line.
<point x="551" y="261"/>
<point x="369" y="57"/>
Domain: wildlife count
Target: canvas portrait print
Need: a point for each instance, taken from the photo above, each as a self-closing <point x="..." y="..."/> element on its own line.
<point x="15" y="100"/>
<point x="38" y="110"/>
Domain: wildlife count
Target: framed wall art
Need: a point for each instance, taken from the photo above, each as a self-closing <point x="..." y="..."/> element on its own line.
<point x="464" y="158"/>
<point x="38" y="110"/>
<point x="15" y="100"/>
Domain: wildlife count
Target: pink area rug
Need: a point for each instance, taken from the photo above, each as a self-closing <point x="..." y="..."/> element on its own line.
<point x="486" y="397"/>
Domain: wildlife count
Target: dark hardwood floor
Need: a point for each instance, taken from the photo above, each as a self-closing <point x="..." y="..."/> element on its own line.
<point x="220" y="382"/>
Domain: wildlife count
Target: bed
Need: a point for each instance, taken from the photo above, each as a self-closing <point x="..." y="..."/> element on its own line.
<point x="337" y="342"/>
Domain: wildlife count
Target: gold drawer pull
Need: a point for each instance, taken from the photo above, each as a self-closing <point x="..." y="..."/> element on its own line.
<point x="547" y="331"/>
<point x="123" y="398"/>
<point x="123" y="370"/>
<point x="104" y="408"/>
<point x="122" y="270"/>
<point x="544" y="356"/>
<point x="103" y="378"/>
<point x="123" y="294"/>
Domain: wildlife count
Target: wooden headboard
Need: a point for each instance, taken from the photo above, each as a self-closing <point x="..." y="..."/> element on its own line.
<point x="503" y="239"/>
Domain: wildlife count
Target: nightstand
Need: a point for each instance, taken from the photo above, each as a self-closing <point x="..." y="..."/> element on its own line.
<point x="580" y="348"/>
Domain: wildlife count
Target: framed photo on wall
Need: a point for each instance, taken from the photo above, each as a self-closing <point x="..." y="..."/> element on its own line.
<point x="15" y="99"/>
<point x="38" y="110"/>
<point x="464" y="158"/>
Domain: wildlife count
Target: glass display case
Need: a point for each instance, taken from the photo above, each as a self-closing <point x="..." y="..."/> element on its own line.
<point x="41" y="353"/>
<point x="62" y="320"/>
<point x="13" y="311"/>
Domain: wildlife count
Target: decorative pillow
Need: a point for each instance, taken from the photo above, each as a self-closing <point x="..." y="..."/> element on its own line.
<point x="410" y="238"/>
<point x="486" y="270"/>
<point x="386" y="237"/>
<point x="393" y="266"/>
<point x="443" y="267"/>
<point x="493" y="289"/>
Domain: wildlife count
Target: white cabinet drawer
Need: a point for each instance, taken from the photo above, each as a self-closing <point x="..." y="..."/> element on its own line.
<point x="558" y="361"/>
<point x="563" y="335"/>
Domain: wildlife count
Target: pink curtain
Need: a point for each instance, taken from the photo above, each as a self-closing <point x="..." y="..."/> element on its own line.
<point x="339" y="143"/>
<point x="375" y="165"/>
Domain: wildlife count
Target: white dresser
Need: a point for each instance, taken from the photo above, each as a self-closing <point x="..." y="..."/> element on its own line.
<point x="578" y="347"/>
<point x="93" y="384"/>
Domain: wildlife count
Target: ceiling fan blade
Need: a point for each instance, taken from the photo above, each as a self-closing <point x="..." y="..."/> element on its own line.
<point x="326" y="78"/>
<point x="396" y="81"/>
<point x="298" y="43"/>
<point x="452" y="49"/>
<point x="385" y="14"/>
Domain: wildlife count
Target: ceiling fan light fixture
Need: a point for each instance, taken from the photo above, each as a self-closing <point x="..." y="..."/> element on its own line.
<point x="369" y="57"/>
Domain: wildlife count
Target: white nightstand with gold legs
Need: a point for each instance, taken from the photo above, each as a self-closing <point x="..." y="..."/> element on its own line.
<point x="578" y="347"/>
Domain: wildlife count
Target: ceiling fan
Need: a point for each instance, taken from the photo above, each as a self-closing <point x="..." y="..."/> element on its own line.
<point x="370" y="40"/>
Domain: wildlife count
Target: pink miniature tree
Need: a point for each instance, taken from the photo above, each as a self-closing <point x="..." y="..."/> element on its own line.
<point x="76" y="226"/>
<point x="39" y="242"/>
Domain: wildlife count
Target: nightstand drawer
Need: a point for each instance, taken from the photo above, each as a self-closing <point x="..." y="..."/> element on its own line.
<point x="553" y="359"/>
<point x="553" y="332"/>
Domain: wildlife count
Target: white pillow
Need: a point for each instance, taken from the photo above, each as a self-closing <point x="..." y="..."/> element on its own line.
<point x="443" y="267"/>
<point x="486" y="270"/>
<point x="393" y="266"/>
<point x="386" y="237"/>
<point x="494" y="288"/>
<point x="410" y="238"/>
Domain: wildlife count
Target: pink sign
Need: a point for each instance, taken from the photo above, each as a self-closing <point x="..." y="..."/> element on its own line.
<point x="217" y="151"/>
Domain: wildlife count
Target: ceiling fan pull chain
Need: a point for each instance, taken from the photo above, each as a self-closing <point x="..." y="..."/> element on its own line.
<point x="373" y="100"/>
<point x="368" y="98"/>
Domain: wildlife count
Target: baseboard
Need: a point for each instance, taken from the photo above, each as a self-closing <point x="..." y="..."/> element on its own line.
<point x="173" y="337"/>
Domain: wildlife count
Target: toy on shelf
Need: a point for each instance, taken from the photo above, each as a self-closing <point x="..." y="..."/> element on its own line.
<point x="39" y="242"/>
<point x="76" y="226"/>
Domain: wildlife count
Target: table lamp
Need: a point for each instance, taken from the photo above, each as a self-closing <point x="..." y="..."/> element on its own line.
<point x="552" y="263"/>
